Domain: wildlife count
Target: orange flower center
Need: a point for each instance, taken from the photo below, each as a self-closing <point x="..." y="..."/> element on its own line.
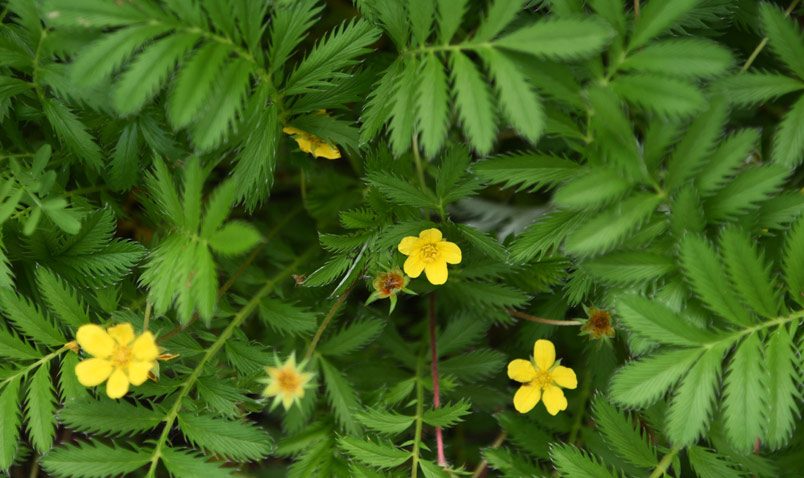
<point x="121" y="356"/>
<point x="288" y="380"/>
<point x="429" y="252"/>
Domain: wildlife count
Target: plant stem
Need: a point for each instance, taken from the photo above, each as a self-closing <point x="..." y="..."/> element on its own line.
<point x="664" y="464"/>
<point x="442" y="460"/>
<point x="237" y="321"/>
<point x="636" y="8"/>
<point x="417" y="436"/>
<point x="522" y="315"/>
<point x="481" y="467"/>
<point x="764" y="42"/>
<point x="147" y="320"/>
<point x="330" y="315"/>
<point x="417" y="159"/>
<point x="24" y="371"/>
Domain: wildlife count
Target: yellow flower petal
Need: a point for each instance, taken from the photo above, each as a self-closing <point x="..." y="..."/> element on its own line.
<point x="117" y="386"/>
<point x="287" y="401"/>
<point x="544" y="353"/>
<point x="272" y="389"/>
<point x="450" y="252"/>
<point x="304" y="142"/>
<point x="326" y="150"/>
<point x="94" y="371"/>
<point x="554" y="399"/>
<point x="144" y="348"/>
<point x="291" y="130"/>
<point x="430" y="235"/>
<point x="413" y="266"/>
<point x="123" y="334"/>
<point x="95" y="341"/>
<point x="521" y="371"/>
<point x="436" y="272"/>
<point x="408" y="244"/>
<point x="564" y="377"/>
<point x="526" y="398"/>
<point x="138" y="371"/>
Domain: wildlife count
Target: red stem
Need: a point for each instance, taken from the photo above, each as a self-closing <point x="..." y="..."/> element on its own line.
<point x="442" y="460"/>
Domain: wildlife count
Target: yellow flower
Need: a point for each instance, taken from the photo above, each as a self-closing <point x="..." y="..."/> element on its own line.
<point x="429" y="253"/>
<point x="310" y="143"/>
<point x="542" y="379"/>
<point x="117" y="355"/>
<point x="286" y="382"/>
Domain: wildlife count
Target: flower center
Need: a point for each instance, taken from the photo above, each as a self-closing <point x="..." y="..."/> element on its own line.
<point x="428" y="252"/>
<point x="392" y="282"/>
<point x="288" y="381"/>
<point x="121" y="356"/>
<point x="542" y="379"/>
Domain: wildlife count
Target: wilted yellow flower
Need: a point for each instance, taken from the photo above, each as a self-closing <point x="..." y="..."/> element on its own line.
<point x="310" y="143"/>
<point x="117" y="355"/>
<point x="286" y="382"/>
<point x="387" y="285"/>
<point x="541" y="378"/>
<point x="429" y="253"/>
<point x="598" y="326"/>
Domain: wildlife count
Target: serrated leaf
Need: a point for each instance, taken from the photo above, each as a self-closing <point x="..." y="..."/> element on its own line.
<point x="781" y="390"/>
<point x="784" y="37"/>
<point x="447" y="415"/>
<point x="39" y="409"/>
<point x="746" y="192"/>
<point x="788" y="142"/>
<point x="559" y="38"/>
<point x="750" y="273"/>
<point x="628" y="441"/>
<point x="640" y="383"/>
<point x="352" y="337"/>
<point x="571" y="461"/>
<point x="657" y="322"/>
<point x="234" y="439"/>
<point x="744" y="395"/>
<point x="660" y="94"/>
<point x="234" y="238"/>
<point x="750" y="88"/>
<point x="519" y="101"/>
<point x="106" y="417"/>
<point x="9" y="423"/>
<point x="657" y="17"/>
<point x="375" y="454"/>
<point x="61" y="298"/>
<point x="432" y="105"/>
<point x="473" y="100"/>
<point x="400" y="191"/>
<point x="684" y="58"/>
<point x="341" y="396"/>
<point x="384" y="421"/>
<point x="526" y="171"/>
<point x="185" y="463"/>
<point x="93" y="459"/>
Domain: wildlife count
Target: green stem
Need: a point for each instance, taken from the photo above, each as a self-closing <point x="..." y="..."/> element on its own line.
<point x="327" y="319"/>
<point x="237" y="321"/>
<point x="417" y="159"/>
<point x="24" y="371"/>
<point x="764" y="42"/>
<point x="665" y="463"/>
<point x="417" y="437"/>
<point x="779" y="321"/>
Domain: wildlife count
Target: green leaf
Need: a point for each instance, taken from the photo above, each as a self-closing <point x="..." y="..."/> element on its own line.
<point x="499" y="15"/>
<point x="341" y="396"/>
<point x="746" y="192"/>
<point x="571" y="462"/>
<point x="93" y="459"/>
<point x="784" y="37"/>
<point x="420" y="14"/>
<point x="794" y="261"/>
<point x="629" y="267"/>
<point x="520" y="103"/>
<point x="474" y="104"/>
<point x="689" y="156"/>
<point x="708" y="279"/>
<point x="27" y="317"/>
<point x="612" y="226"/>
<point x="234" y="238"/>
<point x="186" y="463"/>
<point x="61" y="298"/>
<point x="401" y="192"/>
<point x="657" y="17"/>
<point x="660" y="94"/>
<point x="744" y="395"/>
<point x="619" y="431"/>
<point x="708" y="464"/>
<point x="788" y="142"/>
<point x="559" y="38"/>
<point x="146" y="74"/>
<point x="390" y="423"/>
<point x="352" y="337"/>
<point x="447" y="415"/>
<point x="526" y="171"/>
<point x="402" y="108"/>
<point x="222" y="107"/>
<point x="725" y="160"/>
<point x="487" y="245"/>
<point x="13" y="347"/>
<point x="592" y="189"/>
<point x="287" y="318"/>
<point x="378" y="455"/>
<point x="684" y="58"/>
<point x="640" y="383"/>
<point x="691" y="408"/>
<point x="473" y="366"/>
<point x="40" y="407"/>
<point x="657" y="322"/>
<point x="781" y="390"/>
<point x="750" y="273"/>
<point x="9" y="423"/>
<point x="104" y="417"/>
<point x="431" y="470"/>
<point x="432" y="105"/>
<point x="194" y="83"/>
<point x="750" y="88"/>
<point x="72" y="133"/>
<point x="234" y="439"/>
<point x="544" y="236"/>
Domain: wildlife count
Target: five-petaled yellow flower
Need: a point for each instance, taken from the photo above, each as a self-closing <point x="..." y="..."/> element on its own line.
<point x="286" y="382"/>
<point x="117" y="355"/>
<point x="429" y="253"/>
<point x="310" y="143"/>
<point x="541" y="378"/>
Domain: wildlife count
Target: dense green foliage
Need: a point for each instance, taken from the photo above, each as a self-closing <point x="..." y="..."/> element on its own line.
<point x="641" y="159"/>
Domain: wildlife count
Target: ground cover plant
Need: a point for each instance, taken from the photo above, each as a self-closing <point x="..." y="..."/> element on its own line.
<point x="382" y="238"/>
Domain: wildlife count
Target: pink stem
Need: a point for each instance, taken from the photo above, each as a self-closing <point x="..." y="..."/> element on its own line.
<point x="442" y="460"/>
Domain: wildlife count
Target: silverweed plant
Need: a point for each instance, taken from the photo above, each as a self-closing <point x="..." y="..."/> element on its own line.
<point x="451" y="238"/>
